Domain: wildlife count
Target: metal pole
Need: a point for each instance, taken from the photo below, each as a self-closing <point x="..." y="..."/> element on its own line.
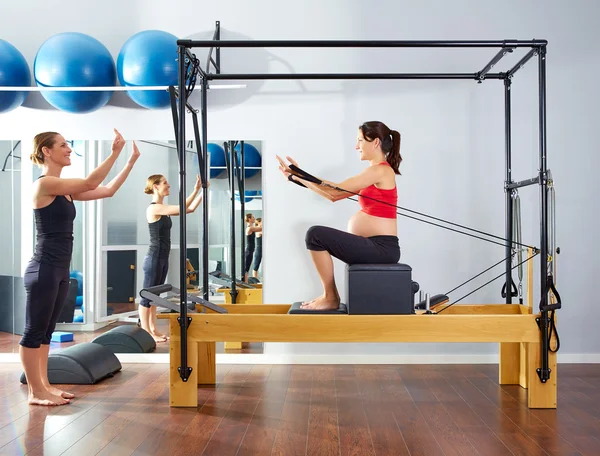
<point x="204" y="113"/>
<point x="184" y="370"/>
<point x="507" y="181"/>
<point x="232" y="167"/>
<point x="242" y="190"/>
<point x="362" y="43"/>
<point x="544" y="371"/>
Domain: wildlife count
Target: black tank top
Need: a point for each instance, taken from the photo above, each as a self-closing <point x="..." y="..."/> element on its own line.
<point x="54" y="232"/>
<point x="160" y="237"/>
<point x="250" y="241"/>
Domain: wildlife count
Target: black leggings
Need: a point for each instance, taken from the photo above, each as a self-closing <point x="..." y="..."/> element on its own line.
<point x="248" y="259"/>
<point x="353" y="249"/>
<point x="155" y="273"/>
<point x="46" y="289"/>
<point x="258" y="253"/>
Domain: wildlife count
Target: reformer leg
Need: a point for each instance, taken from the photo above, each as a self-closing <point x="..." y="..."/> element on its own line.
<point x="207" y="365"/>
<point x="541" y="395"/>
<point x="510" y="364"/>
<point x="182" y="394"/>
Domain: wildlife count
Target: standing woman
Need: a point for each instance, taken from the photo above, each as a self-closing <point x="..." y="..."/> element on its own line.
<point x="156" y="261"/>
<point x="251" y="231"/>
<point x="46" y="277"/>
<point x="258" y="251"/>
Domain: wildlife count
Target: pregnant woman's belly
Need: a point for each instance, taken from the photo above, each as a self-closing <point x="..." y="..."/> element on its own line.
<point x="367" y="225"/>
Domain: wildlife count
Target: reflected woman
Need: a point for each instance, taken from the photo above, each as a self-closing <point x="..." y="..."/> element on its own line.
<point x="156" y="261"/>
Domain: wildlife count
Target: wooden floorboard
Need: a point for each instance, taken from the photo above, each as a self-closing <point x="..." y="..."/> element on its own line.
<point x="308" y="410"/>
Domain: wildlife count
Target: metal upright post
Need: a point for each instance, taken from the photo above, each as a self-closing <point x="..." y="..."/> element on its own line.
<point x="204" y="113"/>
<point x="232" y="168"/>
<point x="544" y="371"/>
<point x="508" y="191"/>
<point x="184" y="370"/>
<point x="242" y="190"/>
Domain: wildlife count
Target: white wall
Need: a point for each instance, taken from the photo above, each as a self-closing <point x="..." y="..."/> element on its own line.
<point x="448" y="129"/>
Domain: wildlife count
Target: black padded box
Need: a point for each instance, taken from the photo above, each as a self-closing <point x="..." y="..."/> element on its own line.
<point x="379" y="289"/>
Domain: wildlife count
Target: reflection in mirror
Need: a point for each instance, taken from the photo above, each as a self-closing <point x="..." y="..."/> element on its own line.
<point x="146" y="204"/>
<point x="12" y="291"/>
<point x="240" y="255"/>
<point x="236" y="227"/>
<point x="132" y="257"/>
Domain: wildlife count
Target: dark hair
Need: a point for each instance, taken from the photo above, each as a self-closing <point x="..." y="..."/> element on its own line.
<point x="41" y="140"/>
<point x="390" y="141"/>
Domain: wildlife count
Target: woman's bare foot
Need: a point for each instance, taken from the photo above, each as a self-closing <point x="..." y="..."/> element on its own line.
<point x="323" y="303"/>
<point x="159" y="338"/>
<point x="46" y="398"/>
<point x="306" y="303"/>
<point x="58" y="392"/>
<point x="157" y="334"/>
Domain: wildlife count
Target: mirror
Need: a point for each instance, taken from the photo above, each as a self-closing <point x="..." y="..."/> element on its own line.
<point x="125" y="230"/>
<point x="112" y="236"/>
<point x="12" y="304"/>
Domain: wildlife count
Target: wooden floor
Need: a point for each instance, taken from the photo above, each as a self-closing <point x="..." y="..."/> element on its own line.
<point x="314" y="410"/>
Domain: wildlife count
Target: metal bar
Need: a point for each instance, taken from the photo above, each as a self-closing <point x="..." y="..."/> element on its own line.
<point x="521" y="63"/>
<point x="204" y="118"/>
<point x="348" y="76"/>
<point x="209" y="59"/>
<point x="493" y="62"/>
<point x="361" y="44"/>
<point x="233" y="292"/>
<point x="166" y="145"/>
<point x="184" y="369"/>
<point x="173" y="97"/>
<point x="544" y="371"/>
<point x="218" y="50"/>
<point x="242" y="192"/>
<point x="523" y="183"/>
<point x="508" y="178"/>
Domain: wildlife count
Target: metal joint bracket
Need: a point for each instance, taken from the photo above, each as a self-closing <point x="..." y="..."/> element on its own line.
<point x="188" y="319"/>
<point x="184" y="374"/>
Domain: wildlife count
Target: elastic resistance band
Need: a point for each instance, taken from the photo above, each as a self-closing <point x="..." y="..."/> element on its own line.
<point x="308" y="177"/>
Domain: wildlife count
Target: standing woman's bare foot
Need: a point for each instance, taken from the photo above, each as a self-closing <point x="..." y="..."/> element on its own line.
<point x="159" y="338"/>
<point x="46" y="398"/>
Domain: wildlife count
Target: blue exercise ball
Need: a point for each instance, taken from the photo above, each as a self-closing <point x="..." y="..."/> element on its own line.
<point x="77" y="275"/>
<point x="217" y="159"/>
<point x="247" y="197"/>
<point x="149" y="58"/>
<point x="73" y="59"/>
<point x="252" y="158"/>
<point x="14" y="72"/>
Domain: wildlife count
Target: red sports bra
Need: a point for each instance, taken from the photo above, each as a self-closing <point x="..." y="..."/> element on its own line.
<point x="372" y="207"/>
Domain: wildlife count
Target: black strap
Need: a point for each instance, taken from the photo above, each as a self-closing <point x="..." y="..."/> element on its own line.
<point x="304" y="175"/>
<point x="550" y="287"/>
<point x="295" y="181"/>
<point x="514" y="292"/>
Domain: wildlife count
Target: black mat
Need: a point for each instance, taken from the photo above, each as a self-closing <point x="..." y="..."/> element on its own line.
<point x="295" y="309"/>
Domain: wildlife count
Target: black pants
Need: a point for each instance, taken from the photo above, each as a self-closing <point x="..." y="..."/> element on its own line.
<point x="155" y="273"/>
<point x="248" y="259"/>
<point x="258" y="253"/>
<point x="353" y="249"/>
<point x="46" y="290"/>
